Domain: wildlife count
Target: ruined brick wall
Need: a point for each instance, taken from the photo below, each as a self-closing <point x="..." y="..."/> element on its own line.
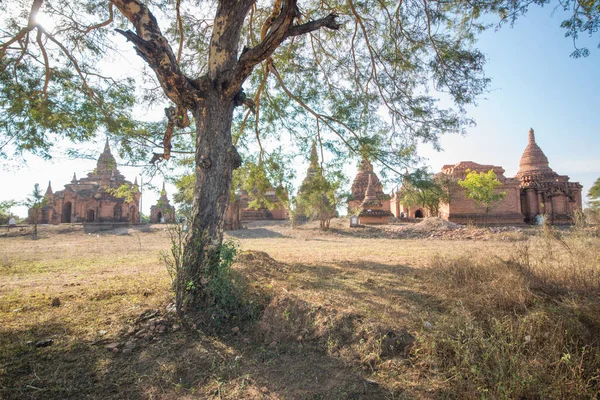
<point x="463" y="210"/>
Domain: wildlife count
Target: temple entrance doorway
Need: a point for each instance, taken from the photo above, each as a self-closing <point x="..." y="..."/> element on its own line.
<point x="132" y="215"/>
<point x="419" y="214"/>
<point x="66" y="213"/>
<point x="91" y="216"/>
<point x="118" y="213"/>
<point x="159" y="217"/>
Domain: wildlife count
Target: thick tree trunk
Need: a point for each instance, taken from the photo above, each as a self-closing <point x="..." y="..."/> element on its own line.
<point x="216" y="159"/>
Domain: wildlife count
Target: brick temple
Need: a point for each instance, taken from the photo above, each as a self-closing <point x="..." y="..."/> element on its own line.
<point x="162" y="212"/>
<point x="535" y="191"/>
<point x="89" y="199"/>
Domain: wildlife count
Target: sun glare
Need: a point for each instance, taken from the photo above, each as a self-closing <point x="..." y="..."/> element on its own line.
<point x="45" y="21"/>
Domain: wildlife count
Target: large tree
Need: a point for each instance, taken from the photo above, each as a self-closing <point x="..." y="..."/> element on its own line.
<point x="357" y="76"/>
<point x="424" y="189"/>
<point x="594" y="196"/>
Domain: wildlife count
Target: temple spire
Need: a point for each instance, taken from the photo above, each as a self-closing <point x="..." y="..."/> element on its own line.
<point x="365" y="165"/>
<point x="531" y="136"/>
<point x="74" y="180"/>
<point x="314" y="158"/>
<point x="370" y="193"/>
<point x="106" y="146"/>
<point x="49" y="190"/>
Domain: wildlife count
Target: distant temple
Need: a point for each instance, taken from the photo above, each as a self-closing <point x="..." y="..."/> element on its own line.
<point x="361" y="183"/>
<point x="536" y="191"/>
<point x="543" y="191"/>
<point x="238" y="210"/>
<point x="162" y="212"/>
<point x="92" y="199"/>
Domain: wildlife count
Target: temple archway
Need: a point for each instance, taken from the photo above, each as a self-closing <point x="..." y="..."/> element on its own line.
<point x="45" y="216"/>
<point x="132" y="215"/>
<point x="419" y="213"/>
<point x="91" y="216"/>
<point x="159" y="217"/>
<point x="118" y="213"/>
<point x="66" y="213"/>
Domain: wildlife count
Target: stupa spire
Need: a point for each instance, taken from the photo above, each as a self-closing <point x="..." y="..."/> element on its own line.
<point x="531" y="136"/>
<point x="314" y="157"/>
<point x="533" y="159"/>
<point x="49" y="189"/>
<point x="370" y="193"/>
<point x="74" y="180"/>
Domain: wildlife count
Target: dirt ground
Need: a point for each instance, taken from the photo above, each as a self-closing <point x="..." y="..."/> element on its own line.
<point x="89" y="315"/>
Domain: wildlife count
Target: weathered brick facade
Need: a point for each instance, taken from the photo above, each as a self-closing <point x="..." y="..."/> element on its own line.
<point x="536" y="190"/>
<point x="543" y="191"/>
<point x="373" y="210"/>
<point x="89" y="199"/>
<point x="238" y="211"/>
<point x="463" y="210"/>
<point x="359" y="187"/>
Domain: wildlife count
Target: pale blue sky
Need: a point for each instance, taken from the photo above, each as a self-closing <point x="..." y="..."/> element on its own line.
<point x="534" y="84"/>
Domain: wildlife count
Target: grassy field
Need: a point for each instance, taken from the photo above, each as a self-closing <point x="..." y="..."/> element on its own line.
<point x="361" y="314"/>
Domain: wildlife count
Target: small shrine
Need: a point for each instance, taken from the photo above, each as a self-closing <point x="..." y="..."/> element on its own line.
<point x="162" y="212"/>
<point x="360" y="183"/>
<point x="373" y="210"/>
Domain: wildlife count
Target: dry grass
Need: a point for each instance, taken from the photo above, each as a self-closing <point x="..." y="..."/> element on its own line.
<point x="343" y="316"/>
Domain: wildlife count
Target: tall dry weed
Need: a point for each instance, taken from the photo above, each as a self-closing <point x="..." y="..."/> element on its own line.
<point x="522" y="326"/>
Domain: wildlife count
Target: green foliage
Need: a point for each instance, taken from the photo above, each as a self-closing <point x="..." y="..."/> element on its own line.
<point x="32" y="120"/>
<point x="184" y="197"/>
<point x="125" y="191"/>
<point x="482" y="188"/>
<point x="423" y="189"/>
<point x="221" y="289"/>
<point x="594" y="196"/>
<point x="34" y="203"/>
<point x="5" y="214"/>
<point x="318" y="198"/>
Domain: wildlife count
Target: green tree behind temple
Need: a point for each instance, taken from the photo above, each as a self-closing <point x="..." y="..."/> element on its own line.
<point x="423" y="189"/>
<point x="318" y="199"/>
<point x="34" y="203"/>
<point x="5" y="214"/>
<point x="594" y="196"/>
<point x="482" y="187"/>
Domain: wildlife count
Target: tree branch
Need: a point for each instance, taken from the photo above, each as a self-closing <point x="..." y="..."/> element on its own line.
<point x="281" y="28"/>
<point x="31" y="23"/>
<point x="46" y="63"/>
<point x="327" y="22"/>
<point x="154" y="48"/>
<point x="325" y="118"/>
<point x="179" y="28"/>
<point x="101" y="24"/>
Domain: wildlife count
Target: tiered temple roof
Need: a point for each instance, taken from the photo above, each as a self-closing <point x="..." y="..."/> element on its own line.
<point x="361" y="182"/>
<point x="533" y="161"/>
